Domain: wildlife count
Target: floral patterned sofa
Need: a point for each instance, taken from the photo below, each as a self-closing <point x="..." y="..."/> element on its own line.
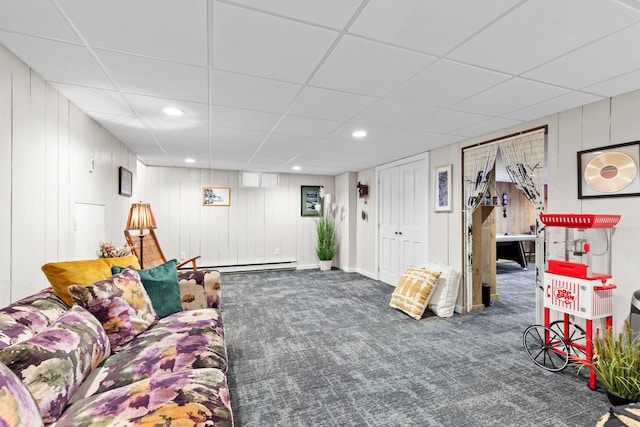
<point x="115" y="354"/>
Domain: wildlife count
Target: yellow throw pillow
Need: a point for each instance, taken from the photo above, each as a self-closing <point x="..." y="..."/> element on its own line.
<point x="414" y="290"/>
<point x="83" y="273"/>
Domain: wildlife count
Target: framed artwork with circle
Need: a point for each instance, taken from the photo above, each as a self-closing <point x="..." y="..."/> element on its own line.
<point x="610" y="171"/>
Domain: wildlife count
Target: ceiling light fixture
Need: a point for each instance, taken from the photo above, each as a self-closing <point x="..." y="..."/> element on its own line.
<point x="296" y="168"/>
<point x="359" y="133"/>
<point x="172" y="111"/>
<point x="190" y="160"/>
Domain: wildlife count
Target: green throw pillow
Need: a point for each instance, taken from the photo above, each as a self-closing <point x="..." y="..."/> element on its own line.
<point x="161" y="283"/>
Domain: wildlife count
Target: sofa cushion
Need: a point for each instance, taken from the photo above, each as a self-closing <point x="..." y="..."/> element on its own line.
<point x="53" y="363"/>
<point x="413" y="291"/>
<point x="193" y="397"/>
<point x="12" y="332"/>
<point x="18" y="407"/>
<point x="445" y="295"/>
<point x="161" y="283"/>
<point x="199" y="289"/>
<point x="82" y="273"/>
<point x="46" y="303"/>
<point x="120" y="303"/>
<point x="181" y="341"/>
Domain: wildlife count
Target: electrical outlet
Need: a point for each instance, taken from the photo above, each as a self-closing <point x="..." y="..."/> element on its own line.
<point x="183" y="256"/>
<point x="277" y="251"/>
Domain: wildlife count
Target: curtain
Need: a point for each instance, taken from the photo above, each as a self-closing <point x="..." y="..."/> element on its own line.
<point x="523" y="157"/>
<point x="478" y="167"/>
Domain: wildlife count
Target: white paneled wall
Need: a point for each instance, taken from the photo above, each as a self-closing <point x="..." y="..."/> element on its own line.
<point x="261" y="226"/>
<point x="366" y="230"/>
<point x="46" y="145"/>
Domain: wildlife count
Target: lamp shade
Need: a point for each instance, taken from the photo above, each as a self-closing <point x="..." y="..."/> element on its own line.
<point x="140" y="217"/>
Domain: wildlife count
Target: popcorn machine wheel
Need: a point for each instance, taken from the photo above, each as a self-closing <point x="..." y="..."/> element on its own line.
<point x="574" y="289"/>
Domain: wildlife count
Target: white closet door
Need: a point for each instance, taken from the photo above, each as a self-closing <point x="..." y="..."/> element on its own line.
<point x="413" y="219"/>
<point x="403" y="219"/>
<point x="389" y="217"/>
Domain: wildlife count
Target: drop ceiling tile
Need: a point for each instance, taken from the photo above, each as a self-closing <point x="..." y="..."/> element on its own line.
<point x="446" y="121"/>
<point x="186" y="148"/>
<point x="151" y="107"/>
<point x="36" y="17"/>
<point x="430" y="86"/>
<point x="271" y="47"/>
<point x="428" y="26"/>
<point x="163" y="129"/>
<point x="368" y="68"/>
<point x="424" y="140"/>
<point x="487" y="126"/>
<point x="539" y="31"/>
<point x="92" y="100"/>
<point x="285" y="144"/>
<point x="119" y="123"/>
<point x="330" y="13"/>
<point x="230" y="140"/>
<point x="304" y="126"/>
<point x="594" y="63"/>
<point x="237" y="90"/>
<point x="511" y="95"/>
<point x="165" y="29"/>
<point x="393" y="114"/>
<point x="617" y="85"/>
<point x="160" y="160"/>
<point x="554" y="105"/>
<point x="329" y="104"/>
<point x="242" y="119"/>
<point x="144" y="76"/>
<point x="57" y="61"/>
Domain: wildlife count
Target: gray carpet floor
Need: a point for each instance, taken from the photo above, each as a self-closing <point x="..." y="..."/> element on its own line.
<point x="311" y="348"/>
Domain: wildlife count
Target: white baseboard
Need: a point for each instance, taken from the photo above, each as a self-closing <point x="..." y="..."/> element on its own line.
<point x="256" y="267"/>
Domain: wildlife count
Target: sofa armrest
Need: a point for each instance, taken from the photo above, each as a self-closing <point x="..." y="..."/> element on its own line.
<point x="199" y="289"/>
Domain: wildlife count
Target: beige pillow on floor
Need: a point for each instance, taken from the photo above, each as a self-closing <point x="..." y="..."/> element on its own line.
<point x="414" y="290"/>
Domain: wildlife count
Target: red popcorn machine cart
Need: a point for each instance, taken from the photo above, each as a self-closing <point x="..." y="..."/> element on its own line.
<point x="577" y="284"/>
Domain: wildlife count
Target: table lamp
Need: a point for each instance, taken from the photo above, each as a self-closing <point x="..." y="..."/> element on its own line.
<point x="141" y="218"/>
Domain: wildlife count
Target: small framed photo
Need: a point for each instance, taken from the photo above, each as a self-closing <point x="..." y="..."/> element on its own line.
<point x="610" y="171"/>
<point x="310" y="202"/>
<point x="216" y="196"/>
<point x="442" y="188"/>
<point x="125" y="182"/>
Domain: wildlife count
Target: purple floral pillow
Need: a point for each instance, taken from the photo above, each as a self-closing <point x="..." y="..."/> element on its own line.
<point x="120" y="303"/>
<point x="18" y="406"/>
<point x="53" y="364"/>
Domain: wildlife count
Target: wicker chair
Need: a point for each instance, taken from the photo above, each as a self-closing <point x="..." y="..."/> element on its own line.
<point x="152" y="253"/>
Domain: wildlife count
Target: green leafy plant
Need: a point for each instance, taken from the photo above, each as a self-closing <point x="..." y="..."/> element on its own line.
<point x="326" y="235"/>
<point x="617" y="362"/>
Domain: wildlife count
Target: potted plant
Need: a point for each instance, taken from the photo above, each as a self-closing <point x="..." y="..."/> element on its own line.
<point x="616" y="363"/>
<point x="326" y="237"/>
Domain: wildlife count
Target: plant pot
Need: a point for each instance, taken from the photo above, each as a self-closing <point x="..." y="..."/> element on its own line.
<point x="326" y="265"/>
<point x="616" y="400"/>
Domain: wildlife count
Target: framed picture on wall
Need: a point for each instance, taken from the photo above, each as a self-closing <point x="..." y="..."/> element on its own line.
<point x="310" y="203"/>
<point x="125" y="182"/>
<point x="216" y="196"/>
<point x="442" y="188"/>
<point x="610" y="171"/>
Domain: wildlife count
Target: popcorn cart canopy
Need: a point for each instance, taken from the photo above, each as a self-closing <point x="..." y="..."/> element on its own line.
<point x="580" y="220"/>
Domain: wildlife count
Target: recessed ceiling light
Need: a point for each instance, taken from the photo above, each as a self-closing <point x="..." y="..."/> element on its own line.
<point x="190" y="160"/>
<point x="359" y="133"/>
<point x="172" y="111"/>
<point x="296" y="168"/>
